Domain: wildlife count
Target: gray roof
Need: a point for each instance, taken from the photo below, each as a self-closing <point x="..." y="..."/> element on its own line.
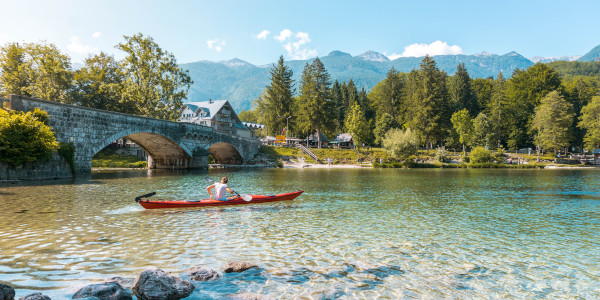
<point x="342" y="138"/>
<point x="313" y="137"/>
<point x="212" y="107"/>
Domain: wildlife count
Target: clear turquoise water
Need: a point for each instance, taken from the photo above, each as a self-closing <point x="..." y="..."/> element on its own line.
<point x="354" y="234"/>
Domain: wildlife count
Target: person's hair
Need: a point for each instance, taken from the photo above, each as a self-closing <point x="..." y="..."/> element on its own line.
<point x="224" y="180"/>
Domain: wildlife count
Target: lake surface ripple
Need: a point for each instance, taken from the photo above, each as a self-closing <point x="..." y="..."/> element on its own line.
<point x="353" y="234"/>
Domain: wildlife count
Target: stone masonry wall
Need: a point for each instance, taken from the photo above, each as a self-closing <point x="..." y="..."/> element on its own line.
<point x="92" y="129"/>
<point x="55" y="168"/>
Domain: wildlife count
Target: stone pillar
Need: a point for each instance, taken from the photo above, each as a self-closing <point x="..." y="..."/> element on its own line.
<point x="151" y="162"/>
<point x="199" y="161"/>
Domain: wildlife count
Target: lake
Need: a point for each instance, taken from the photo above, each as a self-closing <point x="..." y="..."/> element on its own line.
<point x="353" y="234"/>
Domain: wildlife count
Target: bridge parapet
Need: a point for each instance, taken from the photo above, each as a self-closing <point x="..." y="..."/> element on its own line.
<point x="168" y="144"/>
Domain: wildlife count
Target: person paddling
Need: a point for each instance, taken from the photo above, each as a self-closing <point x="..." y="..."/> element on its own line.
<point x="220" y="189"/>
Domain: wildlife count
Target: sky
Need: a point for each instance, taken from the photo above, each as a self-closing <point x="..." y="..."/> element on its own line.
<point x="260" y="31"/>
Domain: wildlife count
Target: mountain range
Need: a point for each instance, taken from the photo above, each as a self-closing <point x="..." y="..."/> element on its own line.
<point x="241" y="82"/>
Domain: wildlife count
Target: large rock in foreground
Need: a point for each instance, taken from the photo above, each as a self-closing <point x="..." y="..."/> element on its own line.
<point x="35" y="296"/>
<point x="238" y="266"/>
<point x="156" y="284"/>
<point x="6" y="292"/>
<point x="203" y="274"/>
<point x="103" y="291"/>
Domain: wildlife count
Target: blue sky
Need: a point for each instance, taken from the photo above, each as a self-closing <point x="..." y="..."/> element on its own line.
<point x="222" y="30"/>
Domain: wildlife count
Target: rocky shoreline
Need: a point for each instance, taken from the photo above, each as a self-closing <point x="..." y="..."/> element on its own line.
<point x="151" y="284"/>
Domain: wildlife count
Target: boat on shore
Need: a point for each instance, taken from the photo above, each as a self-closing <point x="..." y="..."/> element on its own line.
<point x="146" y="203"/>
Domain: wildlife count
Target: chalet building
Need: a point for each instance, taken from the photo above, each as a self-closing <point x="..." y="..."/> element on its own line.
<point x="343" y="140"/>
<point x="217" y="114"/>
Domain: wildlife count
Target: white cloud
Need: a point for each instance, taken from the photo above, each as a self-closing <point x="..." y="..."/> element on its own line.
<point x="296" y="46"/>
<point x="263" y="35"/>
<point x="96" y="34"/>
<point x="216" y="44"/>
<point x="77" y="47"/>
<point x="435" y="48"/>
<point x="283" y="35"/>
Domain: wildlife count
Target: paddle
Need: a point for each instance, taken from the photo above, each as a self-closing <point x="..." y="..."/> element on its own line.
<point x="138" y="198"/>
<point x="244" y="197"/>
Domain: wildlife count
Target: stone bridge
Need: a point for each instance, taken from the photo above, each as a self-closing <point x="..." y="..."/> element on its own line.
<point x="169" y="145"/>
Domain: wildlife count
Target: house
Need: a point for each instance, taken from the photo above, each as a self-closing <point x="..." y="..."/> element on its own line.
<point x="343" y="140"/>
<point x="217" y="114"/>
<point x="313" y="142"/>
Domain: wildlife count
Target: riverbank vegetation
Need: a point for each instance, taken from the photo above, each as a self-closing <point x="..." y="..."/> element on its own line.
<point x="536" y="108"/>
<point x="25" y="137"/>
<point x="109" y="158"/>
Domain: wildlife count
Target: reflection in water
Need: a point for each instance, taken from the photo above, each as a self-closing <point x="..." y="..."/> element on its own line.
<point x="374" y="233"/>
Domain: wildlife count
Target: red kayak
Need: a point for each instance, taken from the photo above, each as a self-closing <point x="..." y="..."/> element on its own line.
<point x="151" y="204"/>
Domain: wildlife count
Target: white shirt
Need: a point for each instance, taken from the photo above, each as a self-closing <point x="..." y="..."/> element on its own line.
<point x="220" y="191"/>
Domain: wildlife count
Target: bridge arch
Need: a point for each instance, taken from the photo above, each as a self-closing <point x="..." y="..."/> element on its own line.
<point x="225" y="153"/>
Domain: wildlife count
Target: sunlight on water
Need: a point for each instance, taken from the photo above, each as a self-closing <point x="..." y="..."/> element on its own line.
<point x="384" y="234"/>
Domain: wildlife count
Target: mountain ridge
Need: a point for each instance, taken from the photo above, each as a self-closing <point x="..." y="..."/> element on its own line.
<point x="241" y="82"/>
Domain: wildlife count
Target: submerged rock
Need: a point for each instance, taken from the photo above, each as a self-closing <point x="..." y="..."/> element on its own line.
<point x="35" y="296"/>
<point x="6" y="292"/>
<point x="155" y="284"/>
<point x="203" y="274"/>
<point x="238" y="266"/>
<point x="103" y="291"/>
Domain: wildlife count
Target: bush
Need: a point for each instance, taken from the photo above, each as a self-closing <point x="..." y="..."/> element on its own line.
<point x="401" y="144"/>
<point x="24" y="137"/>
<point x="67" y="151"/>
<point x="441" y="155"/>
<point x="500" y="155"/>
<point x="480" y="155"/>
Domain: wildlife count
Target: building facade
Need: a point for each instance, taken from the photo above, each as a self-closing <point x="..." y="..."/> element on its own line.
<point x="217" y="114"/>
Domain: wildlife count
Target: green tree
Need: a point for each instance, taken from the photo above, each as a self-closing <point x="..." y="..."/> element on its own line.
<point x="388" y="97"/>
<point x="99" y="84"/>
<point x="384" y="124"/>
<point x="24" y="137"/>
<point x="552" y="123"/>
<point x="482" y="130"/>
<point x="277" y="102"/>
<point x="428" y="111"/>
<point x="14" y="70"/>
<point x="497" y="109"/>
<point x="314" y="102"/>
<point x="461" y="91"/>
<point x="463" y="124"/>
<point x="401" y="144"/>
<point x="35" y="70"/>
<point x="248" y="116"/>
<point x="154" y="84"/>
<point x="590" y="122"/>
<point x="357" y="125"/>
<point x="483" y="88"/>
<point x="579" y="91"/>
<point x="524" y="92"/>
<point x="337" y="99"/>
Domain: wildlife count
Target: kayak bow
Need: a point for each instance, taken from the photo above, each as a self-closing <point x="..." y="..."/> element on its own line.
<point x="153" y="204"/>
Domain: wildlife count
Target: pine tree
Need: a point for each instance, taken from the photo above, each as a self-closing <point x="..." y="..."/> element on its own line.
<point x="497" y="109"/>
<point x="590" y="122"/>
<point x="461" y="91"/>
<point x="429" y="111"/>
<point x="276" y="104"/>
<point x="391" y="96"/>
<point x="315" y="106"/>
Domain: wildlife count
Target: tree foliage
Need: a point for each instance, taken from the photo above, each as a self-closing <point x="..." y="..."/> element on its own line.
<point x="401" y="144"/>
<point x="35" y="70"/>
<point x="24" y="137"/>
<point x="99" y="84"/>
<point x="463" y="124"/>
<point x="552" y="122"/>
<point x="461" y="91"/>
<point x="590" y="121"/>
<point x="480" y="155"/>
<point x="357" y="125"/>
<point x="276" y="103"/>
<point x="482" y="130"/>
<point x="154" y="84"/>
<point x="315" y="105"/>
